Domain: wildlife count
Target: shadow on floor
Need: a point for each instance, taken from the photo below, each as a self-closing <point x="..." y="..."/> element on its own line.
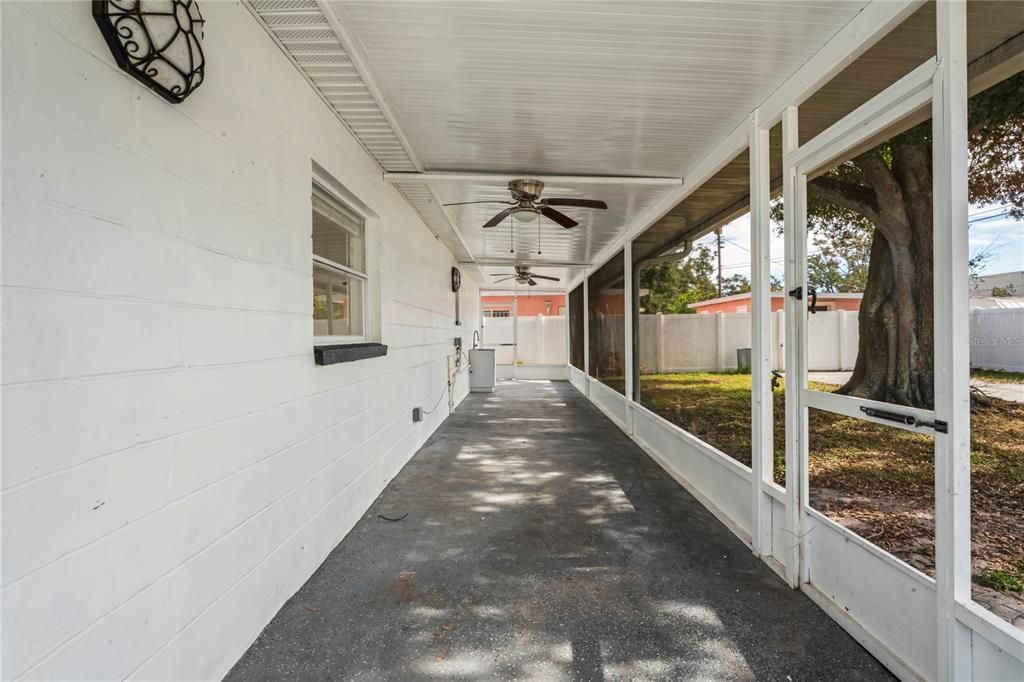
<point x="541" y="543"/>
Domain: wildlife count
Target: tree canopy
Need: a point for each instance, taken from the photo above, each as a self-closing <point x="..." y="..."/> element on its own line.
<point x="671" y="286"/>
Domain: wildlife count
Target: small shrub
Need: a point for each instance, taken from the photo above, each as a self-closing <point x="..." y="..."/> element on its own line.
<point x="999" y="580"/>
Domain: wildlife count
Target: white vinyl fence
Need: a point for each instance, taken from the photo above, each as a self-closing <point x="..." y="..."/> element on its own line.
<point x="997" y="339"/>
<point x="541" y="339"/>
<point x="708" y="343"/>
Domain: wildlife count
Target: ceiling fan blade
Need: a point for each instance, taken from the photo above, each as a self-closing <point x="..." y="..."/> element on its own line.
<point x="498" y="218"/>
<point x="532" y="282"/>
<point x="485" y="201"/>
<point x="503" y="279"/>
<point x="553" y="279"/>
<point x="581" y="203"/>
<point x="560" y="218"/>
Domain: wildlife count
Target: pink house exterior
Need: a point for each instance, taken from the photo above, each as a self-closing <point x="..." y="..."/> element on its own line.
<point x="740" y="303"/>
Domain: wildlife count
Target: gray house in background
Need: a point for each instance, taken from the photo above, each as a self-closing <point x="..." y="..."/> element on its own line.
<point x="1005" y="284"/>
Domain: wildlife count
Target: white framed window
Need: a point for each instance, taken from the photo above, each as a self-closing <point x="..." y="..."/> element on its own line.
<point x="497" y="312"/>
<point x="340" y="279"/>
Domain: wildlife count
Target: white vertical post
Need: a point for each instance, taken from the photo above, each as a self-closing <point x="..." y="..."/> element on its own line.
<point x="795" y="311"/>
<point x="627" y="311"/>
<point x="841" y="344"/>
<point x="761" y="443"/>
<point x="515" y="334"/>
<point x="780" y="338"/>
<point x="720" y="341"/>
<point x="566" y="316"/>
<point x="660" y="348"/>
<point x="586" y="333"/>
<point x="540" y="340"/>
<point x="952" y="352"/>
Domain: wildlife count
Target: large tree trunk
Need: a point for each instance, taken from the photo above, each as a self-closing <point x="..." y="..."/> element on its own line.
<point x="895" y="359"/>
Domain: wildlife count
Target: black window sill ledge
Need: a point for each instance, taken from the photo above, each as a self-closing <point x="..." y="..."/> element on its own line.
<point x="348" y="352"/>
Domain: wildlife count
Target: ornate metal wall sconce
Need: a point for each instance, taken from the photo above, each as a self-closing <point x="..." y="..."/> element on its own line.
<point x="159" y="42"/>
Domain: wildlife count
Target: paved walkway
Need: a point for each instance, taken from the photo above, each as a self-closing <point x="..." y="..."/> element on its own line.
<point x="996" y="389"/>
<point x="541" y="543"/>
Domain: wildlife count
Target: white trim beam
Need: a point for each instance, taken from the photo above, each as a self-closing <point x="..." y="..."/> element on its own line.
<point x="503" y="178"/>
<point x="523" y="261"/>
<point x="453" y="224"/>
<point x="885" y="109"/>
<point x="850" y="406"/>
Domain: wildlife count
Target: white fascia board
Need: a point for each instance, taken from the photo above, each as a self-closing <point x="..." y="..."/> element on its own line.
<point x="453" y="224"/>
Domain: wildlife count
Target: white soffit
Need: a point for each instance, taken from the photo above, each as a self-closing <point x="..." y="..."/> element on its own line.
<point x="309" y="38"/>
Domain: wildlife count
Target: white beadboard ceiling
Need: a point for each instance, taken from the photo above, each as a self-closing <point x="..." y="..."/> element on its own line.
<point x="553" y="87"/>
<point x="589" y="88"/>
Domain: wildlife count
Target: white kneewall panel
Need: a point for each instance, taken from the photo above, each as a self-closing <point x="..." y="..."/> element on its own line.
<point x="611" y="402"/>
<point x="889" y="601"/>
<point x="175" y="465"/>
<point x="578" y="378"/>
<point x="717" y="481"/>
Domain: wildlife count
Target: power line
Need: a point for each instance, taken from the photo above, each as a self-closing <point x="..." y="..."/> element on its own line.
<point x="1003" y="208"/>
<point x="989" y="217"/>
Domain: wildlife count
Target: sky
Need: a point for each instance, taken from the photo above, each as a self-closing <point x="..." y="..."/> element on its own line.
<point x="990" y="229"/>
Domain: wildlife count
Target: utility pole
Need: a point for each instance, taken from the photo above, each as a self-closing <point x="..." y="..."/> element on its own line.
<point x="718" y="241"/>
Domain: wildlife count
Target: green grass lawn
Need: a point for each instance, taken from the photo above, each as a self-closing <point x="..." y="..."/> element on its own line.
<point x="998" y="376"/>
<point x="875" y="479"/>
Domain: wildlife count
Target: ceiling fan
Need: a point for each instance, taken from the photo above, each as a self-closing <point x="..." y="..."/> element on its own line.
<point x="526" y="204"/>
<point x="523" y="276"/>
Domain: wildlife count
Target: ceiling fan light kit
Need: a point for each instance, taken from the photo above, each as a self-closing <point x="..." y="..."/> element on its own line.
<point x="524" y="215"/>
<point x="526" y="204"/>
<point x="523" y="276"/>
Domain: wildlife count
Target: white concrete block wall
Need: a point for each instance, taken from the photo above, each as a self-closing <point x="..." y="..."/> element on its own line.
<point x="174" y="464"/>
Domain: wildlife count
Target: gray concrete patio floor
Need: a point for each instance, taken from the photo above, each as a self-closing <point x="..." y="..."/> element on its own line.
<point x="541" y="543"/>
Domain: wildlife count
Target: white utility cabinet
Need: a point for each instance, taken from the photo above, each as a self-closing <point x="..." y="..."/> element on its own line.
<point x="481" y="370"/>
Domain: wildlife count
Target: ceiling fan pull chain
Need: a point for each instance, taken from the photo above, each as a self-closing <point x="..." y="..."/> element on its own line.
<point x="539" y="252"/>
<point x="511" y="231"/>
